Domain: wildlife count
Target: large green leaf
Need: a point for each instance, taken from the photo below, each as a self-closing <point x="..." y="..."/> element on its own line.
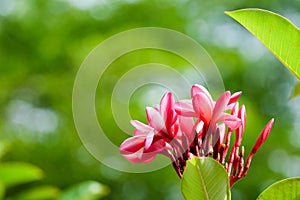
<point x="41" y="192"/>
<point x="287" y="189"/>
<point x="277" y="33"/>
<point x="205" y="178"/>
<point x="87" y="190"/>
<point x="15" y="173"/>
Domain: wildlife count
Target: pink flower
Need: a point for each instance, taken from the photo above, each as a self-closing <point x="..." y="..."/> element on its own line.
<point x="210" y="117"/>
<point x="197" y="127"/>
<point x="162" y="134"/>
<point x="205" y="109"/>
<point x="137" y="149"/>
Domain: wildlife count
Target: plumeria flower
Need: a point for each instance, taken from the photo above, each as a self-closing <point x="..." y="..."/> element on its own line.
<point x="210" y="116"/>
<point x="163" y="134"/>
<point x="203" y="107"/>
<point x="137" y="149"/>
<point x="197" y="127"/>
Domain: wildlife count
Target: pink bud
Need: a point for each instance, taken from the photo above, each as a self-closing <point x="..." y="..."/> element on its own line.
<point x="263" y="136"/>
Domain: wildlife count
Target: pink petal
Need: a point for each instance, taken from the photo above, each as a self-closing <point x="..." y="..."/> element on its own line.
<point x="221" y="104"/>
<point x="132" y="158"/>
<point x="199" y="126"/>
<point x="141" y="128"/>
<point x="133" y="150"/>
<point x="242" y="116"/>
<point x="132" y="144"/>
<point x="166" y="105"/>
<point x="149" y="139"/>
<point x="185" y="108"/>
<point x="187" y="127"/>
<point x="230" y="106"/>
<point x="173" y="130"/>
<point x="235" y="109"/>
<point x="221" y="129"/>
<point x="203" y="106"/>
<point x="167" y="109"/>
<point x="234" y="97"/>
<point x="140" y="157"/>
<point x="197" y="89"/>
<point x="149" y="157"/>
<point x="155" y="120"/>
<point x="156" y="107"/>
<point x="156" y="147"/>
<point x="231" y="121"/>
<point x="149" y="154"/>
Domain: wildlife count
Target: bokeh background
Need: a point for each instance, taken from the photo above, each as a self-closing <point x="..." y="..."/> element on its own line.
<point x="43" y="43"/>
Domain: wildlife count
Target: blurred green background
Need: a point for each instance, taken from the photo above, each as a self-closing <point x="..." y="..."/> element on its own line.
<point x="43" y="43"/>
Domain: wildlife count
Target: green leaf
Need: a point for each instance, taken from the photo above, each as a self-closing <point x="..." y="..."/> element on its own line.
<point x="284" y="189"/>
<point x="15" y="173"/>
<point x="205" y="178"/>
<point x="87" y="190"/>
<point x="296" y="91"/>
<point x="41" y="192"/>
<point x="277" y="33"/>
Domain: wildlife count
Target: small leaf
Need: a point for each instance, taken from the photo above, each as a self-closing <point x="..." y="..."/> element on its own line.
<point x="277" y="33"/>
<point x="285" y="189"/>
<point x="205" y="178"/>
<point x="15" y="173"/>
<point x="296" y="91"/>
<point x="41" y="192"/>
<point x="87" y="190"/>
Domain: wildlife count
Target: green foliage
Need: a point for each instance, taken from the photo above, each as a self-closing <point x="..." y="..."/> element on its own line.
<point x="3" y="148"/>
<point x="43" y="43"/>
<point x="205" y="178"/>
<point x="2" y="191"/>
<point x="15" y="173"/>
<point x="296" y="91"/>
<point x="281" y="190"/>
<point x="88" y="190"/>
<point x="40" y="192"/>
<point x="277" y="33"/>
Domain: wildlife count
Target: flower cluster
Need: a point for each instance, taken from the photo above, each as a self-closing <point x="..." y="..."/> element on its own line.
<point x="197" y="127"/>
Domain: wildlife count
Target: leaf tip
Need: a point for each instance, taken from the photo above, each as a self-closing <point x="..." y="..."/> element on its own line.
<point x="227" y="13"/>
